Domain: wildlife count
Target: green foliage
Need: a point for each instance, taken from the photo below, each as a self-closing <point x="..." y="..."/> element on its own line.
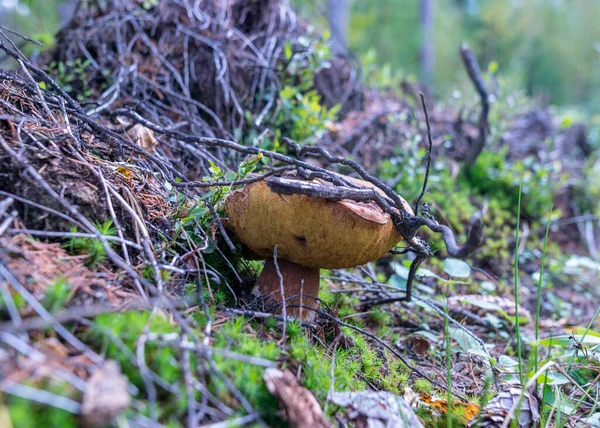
<point x="499" y="180"/>
<point x="92" y="247"/>
<point x="587" y="192"/>
<point x="380" y="317"/>
<point x="381" y="76"/>
<point x="546" y="47"/>
<point x="55" y="296"/>
<point x="71" y="76"/>
<point x="165" y="360"/>
<point x="189" y="219"/>
<point x="300" y="115"/>
<point x="27" y="413"/>
<point x="37" y="19"/>
<point x="423" y="386"/>
<point x="349" y="363"/>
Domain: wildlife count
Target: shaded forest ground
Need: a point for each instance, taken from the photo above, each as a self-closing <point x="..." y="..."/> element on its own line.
<point x="117" y="150"/>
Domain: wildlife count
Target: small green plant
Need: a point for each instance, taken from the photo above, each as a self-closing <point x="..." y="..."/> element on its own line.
<point x="23" y="412"/>
<point x="516" y="286"/>
<point x="423" y="386"/>
<point x="199" y="215"/>
<point x="493" y="176"/>
<point x="92" y="247"/>
<point x="382" y="77"/>
<point x="300" y="115"/>
<point x="56" y="295"/>
<point x="71" y="76"/>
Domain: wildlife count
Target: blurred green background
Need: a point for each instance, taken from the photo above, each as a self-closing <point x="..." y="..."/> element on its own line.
<point x="549" y="48"/>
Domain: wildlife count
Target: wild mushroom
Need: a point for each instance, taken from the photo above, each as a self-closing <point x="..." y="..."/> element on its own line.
<point x="310" y="233"/>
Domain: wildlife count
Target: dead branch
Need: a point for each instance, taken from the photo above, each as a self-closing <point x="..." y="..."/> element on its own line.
<point x="470" y="63"/>
<point x="429" y="147"/>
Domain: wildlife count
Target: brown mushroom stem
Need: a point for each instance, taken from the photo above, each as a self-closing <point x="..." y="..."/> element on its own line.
<point x="297" y="280"/>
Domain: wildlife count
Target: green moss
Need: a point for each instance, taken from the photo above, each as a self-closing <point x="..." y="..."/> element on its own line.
<point x="355" y="366"/>
<point x="26" y="413"/>
<point x="499" y="180"/>
<point x="380" y="317"/>
<point x="423" y="386"/>
<point x="237" y="334"/>
<point x="56" y="295"/>
<point x="93" y="248"/>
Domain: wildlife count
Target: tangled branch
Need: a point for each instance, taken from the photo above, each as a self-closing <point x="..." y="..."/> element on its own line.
<point x="470" y="63"/>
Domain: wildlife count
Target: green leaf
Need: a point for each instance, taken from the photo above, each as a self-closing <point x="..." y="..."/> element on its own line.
<point x="582" y="331"/>
<point x="565" y="340"/>
<point x="215" y="170"/>
<point x="512" y="318"/>
<point x="481" y="353"/>
<point x="481" y="304"/>
<point x="287" y="50"/>
<point x="456" y="268"/>
<point x="249" y="165"/>
<point x="548" y="395"/>
<point x="426" y="273"/>
<point x="398" y="282"/>
<point x="506" y="361"/>
<point x="288" y="93"/>
<point x="592" y="421"/>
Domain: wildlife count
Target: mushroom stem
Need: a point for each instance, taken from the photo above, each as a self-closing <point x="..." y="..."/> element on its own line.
<point x="297" y="280"/>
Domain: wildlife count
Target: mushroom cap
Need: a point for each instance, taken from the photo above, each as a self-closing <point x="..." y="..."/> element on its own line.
<point x="310" y="231"/>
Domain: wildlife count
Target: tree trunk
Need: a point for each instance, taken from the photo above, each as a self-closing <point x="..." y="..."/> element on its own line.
<point x="338" y="14"/>
<point x="427" y="51"/>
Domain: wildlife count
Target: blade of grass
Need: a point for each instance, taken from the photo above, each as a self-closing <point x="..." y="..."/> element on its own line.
<point x="580" y="401"/>
<point x="539" y="293"/>
<point x="448" y="362"/>
<point x="516" y="286"/>
<point x="545" y="384"/>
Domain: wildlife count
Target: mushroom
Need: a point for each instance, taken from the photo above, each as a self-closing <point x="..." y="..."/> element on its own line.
<point x="310" y="233"/>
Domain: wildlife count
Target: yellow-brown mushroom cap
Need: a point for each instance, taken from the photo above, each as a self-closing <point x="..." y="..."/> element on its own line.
<point x="310" y="231"/>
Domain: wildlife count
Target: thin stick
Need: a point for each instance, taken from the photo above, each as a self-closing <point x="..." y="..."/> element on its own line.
<point x="40" y="396"/>
<point x="429" y="148"/>
<point x="37" y="306"/>
<point x="281" y="291"/>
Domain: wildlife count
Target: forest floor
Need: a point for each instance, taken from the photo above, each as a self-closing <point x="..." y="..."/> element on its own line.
<point x="125" y="301"/>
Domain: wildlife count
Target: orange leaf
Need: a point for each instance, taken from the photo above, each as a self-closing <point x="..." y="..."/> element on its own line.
<point x="122" y="170"/>
<point x="466" y="410"/>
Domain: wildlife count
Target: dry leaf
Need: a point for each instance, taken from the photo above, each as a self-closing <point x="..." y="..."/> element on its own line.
<point x="381" y="409"/>
<point x="468" y="411"/>
<point x="143" y="137"/>
<point x="420" y="345"/>
<point x="301" y="407"/>
<point x="106" y="395"/>
<point x="493" y="413"/>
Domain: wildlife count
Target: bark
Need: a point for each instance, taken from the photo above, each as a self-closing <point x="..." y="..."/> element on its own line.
<point x="338" y="14"/>
<point x="427" y="49"/>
